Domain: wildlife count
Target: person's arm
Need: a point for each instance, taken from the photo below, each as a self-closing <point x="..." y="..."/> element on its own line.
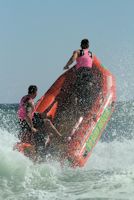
<point x="52" y="127"/>
<point x="29" y="111"/>
<point x="30" y="122"/>
<point x="71" y="60"/>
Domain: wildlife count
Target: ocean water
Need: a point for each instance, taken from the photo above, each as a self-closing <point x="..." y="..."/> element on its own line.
<point x="108" y="174"/>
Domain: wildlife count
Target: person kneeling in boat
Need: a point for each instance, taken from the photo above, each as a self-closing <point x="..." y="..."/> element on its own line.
<point x="33" y="124"/>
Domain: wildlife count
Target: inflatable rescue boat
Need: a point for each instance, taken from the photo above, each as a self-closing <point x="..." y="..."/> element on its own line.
<point x="81" y="122"/>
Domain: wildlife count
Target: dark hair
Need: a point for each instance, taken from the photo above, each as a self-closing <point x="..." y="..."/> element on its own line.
<point x="32" y="89"/>
<point x="84" y="44"/>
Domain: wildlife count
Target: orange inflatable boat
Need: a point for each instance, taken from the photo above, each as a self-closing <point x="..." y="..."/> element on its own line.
<point x="80" y="130"/>
<point x="81" y="124"/>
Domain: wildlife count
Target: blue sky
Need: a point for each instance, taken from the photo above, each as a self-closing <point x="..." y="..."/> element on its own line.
<point x="37" y="37"/>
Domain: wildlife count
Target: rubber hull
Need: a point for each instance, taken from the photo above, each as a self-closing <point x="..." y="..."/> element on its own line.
<point x="85" y="121"/>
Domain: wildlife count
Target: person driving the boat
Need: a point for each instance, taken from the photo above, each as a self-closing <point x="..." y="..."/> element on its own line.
<point x="83" y="86"/>
<point x="83" y="56"/>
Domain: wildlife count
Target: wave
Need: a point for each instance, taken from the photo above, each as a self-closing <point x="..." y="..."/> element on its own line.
<point x="107" y="173"/>
<point x="8" y="117"/>
<point x="121" y="124"/>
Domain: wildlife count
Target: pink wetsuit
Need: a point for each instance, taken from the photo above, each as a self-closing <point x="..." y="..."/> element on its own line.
<point x="22" y="107"/>
<point x="84" y="60"/>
